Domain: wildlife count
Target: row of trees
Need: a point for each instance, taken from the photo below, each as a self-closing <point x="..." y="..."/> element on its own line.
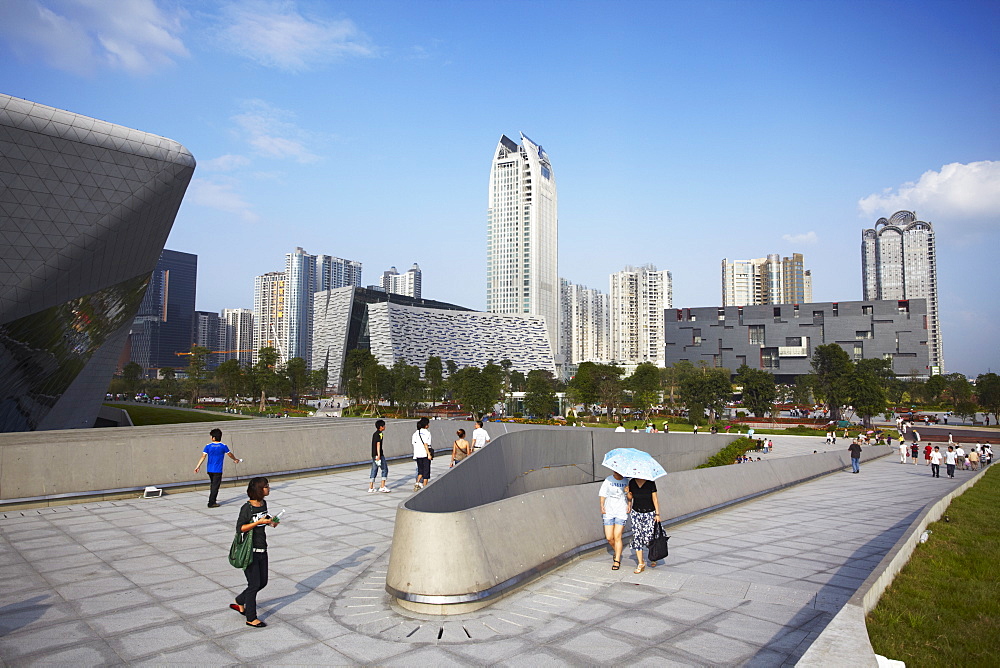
<point x="230" y="379"/>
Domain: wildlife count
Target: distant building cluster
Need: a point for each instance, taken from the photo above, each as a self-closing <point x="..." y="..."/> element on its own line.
<point x="766" y="280"/>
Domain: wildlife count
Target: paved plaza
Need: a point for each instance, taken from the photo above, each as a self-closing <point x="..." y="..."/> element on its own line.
<point x="146" y="581"/>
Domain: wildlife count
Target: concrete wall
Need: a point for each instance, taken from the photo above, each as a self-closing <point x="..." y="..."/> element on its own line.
<point x="500" y="534"/>
<point x="40" y="466"/>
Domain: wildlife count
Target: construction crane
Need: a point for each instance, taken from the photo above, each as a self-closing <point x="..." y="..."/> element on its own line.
<point x="219" y="352"/>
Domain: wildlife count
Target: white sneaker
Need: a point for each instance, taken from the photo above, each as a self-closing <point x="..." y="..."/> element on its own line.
<point x="371" y="490"/>
<point x="385" y="490"/>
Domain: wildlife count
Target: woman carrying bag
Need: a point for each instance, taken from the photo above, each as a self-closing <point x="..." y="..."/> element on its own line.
<point x="422" y="453"/>
<point x="645" y="515"/>
<point x="253" y="518"/>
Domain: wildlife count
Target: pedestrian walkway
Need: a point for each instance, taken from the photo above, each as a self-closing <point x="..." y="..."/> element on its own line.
<point x="146" y="581"/>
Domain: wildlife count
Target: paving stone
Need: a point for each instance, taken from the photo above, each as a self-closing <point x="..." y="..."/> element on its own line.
<point x="205" y="653"/>
<point x="596" y="647"/>
<point x="153" y="641"/>
<point x="253" y="645"/>
<point x="713" y="648"/>
<point x="642" y="625"/>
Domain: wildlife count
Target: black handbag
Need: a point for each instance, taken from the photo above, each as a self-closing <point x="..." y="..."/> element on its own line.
<point x="658" y="543"/>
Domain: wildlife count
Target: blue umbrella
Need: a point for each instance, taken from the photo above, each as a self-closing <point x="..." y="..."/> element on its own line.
<point x="633" y="463"/>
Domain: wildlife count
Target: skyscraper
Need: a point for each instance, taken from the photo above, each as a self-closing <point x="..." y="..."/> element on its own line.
<point x="586" y="330"/>
<point x="334" y="272"/>
<point x="522" y="235"/>
<point x="766" y="280"/>
<point x="300" y="286"/>
<point x="269" y="315"/>
<point x="237" y="335"/>
<point x="898" y="261"/>
<point x="639" y="296"/>
<point x="408" y="283"/>
<point x="164" y="325"/>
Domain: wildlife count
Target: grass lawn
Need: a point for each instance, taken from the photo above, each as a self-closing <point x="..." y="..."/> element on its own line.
<point x="943" y="609"/>
<point x="143" y="415"/>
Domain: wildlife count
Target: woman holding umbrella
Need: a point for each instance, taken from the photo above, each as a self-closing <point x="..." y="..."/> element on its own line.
<point x="641" y="494"/>
<point x="645" y="514"/>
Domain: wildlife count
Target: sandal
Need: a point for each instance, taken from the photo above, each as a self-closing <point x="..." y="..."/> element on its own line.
<point x="616" y="564"/>
<point x="639" y="569"/>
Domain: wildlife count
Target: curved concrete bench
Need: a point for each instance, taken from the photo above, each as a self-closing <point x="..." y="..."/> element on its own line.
<point x="529" y="502"/>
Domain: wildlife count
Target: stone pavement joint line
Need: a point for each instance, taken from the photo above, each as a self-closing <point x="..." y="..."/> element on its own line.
<point x="146" y="581"/>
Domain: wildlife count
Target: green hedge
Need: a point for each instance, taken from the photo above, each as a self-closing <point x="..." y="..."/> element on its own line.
<point x="728" y="454"/>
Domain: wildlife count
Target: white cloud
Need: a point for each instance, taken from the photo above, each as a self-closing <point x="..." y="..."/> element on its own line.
<point x="270" y="131"/>
<point x="224" y="163"/>
<point x="958" y="192"/>
<point x="274" y="33"/>
<point x="83" y="36"/>
<point x="808" y="238"/>
<point x="220" y="196"/>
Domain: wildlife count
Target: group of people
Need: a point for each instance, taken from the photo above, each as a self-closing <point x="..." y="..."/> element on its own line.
<point x="624" y="499"/>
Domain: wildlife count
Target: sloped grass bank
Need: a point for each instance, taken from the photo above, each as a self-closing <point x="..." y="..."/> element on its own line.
<point x="728" y="454"/>
<point x="143" y="416"/>
<point x="943" y="609"/>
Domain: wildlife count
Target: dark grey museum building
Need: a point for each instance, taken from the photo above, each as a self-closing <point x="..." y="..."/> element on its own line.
<point x="780" y="338"/>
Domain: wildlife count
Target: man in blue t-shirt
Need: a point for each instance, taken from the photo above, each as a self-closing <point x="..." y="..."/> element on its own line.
<point x="215" y="452"/>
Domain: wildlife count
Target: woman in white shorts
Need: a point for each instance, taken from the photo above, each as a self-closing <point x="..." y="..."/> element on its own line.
<point x="615" y="508"/>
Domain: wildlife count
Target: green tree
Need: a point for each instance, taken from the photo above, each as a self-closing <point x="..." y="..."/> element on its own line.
<point x="608" y="378"/>
<point x="708" y="389"/>
<point x="582" y="387"/>
<point x="318" y="379"/>
<point x="474" y="390"/>
<point x="833" y="370"/>
<point x="518" y="382"/>
<point x="802" y="392"/>
<point x="434" y="375"/>
<point x="644" y="383"/>
<point x="988" y="394"/>
<point x="231" y="379"/>
<point x="933" y="388"/>
<point x="197" y="371"/>
<point x="959" y="388"/>
<point x="168" y="381"/>
<point x="263" y="374"/>
<point x="868" y="388"/>
<point x="540" y="397"/>
<point x="759" y="389"/>
<point x="297" y="374"/>
<point x="967" y="409"/>
<point x="132" y="375"/>
<point x="362" y="377"/>
<point x="408" y="388"/>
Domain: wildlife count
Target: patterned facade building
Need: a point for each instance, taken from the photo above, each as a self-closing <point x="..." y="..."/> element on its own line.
<point x="638" y="298"/>
<point x="522" y="235"/>
<point x="781" y="338"/>
<point x="899" y="261"/>
<point x="85" y="210"/>
<point x="395" y="327"/>
<point x="585" y="324"/>
<point x="766" y="280"/>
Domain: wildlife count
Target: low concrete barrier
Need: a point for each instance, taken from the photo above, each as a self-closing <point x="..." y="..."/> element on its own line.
<point x="504" y="518"/>
<point x="50" y="466"/>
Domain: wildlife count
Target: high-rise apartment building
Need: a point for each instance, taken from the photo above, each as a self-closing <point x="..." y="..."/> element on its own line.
<point x="584" y="323"/>
<point x="269" y="315"/>
<point x="164" y="324"/>
<point x="208" y="332"/>
<point x="899" y="261"/>
<point x="522" y="235"/>
<point x="237" y="335"/>
<point x="766" y="280"/>
<point x="407" y="283"/>
<point x="334" y="272"/>
<point x="638" y="298"/>
<point x="300" y="286"/>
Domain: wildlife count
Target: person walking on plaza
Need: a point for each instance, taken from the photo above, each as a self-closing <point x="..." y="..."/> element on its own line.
<point x="254" y="517"/>
<point x="645" y="513"/>
<point x="460" y="449"/>
<point x="960" y="456"/>
<point x="855" y="450"/>
<point x="903" y="452"/>
<point x="421" y="442"/>
<point x="935" y="462"/>
<point x="215" y="452"/>
<point x="927" y="454"/>
<point x="378" y="459"/>
<point x="949" y="461"/>
<point x="480" y="437"/>
<point x="914" y="451"/>
<point x="614" y="512"/>
<point x="974" y="459"/>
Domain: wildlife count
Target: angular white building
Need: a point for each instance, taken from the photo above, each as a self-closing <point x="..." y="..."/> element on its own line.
<point x="585" y="324"/>
<point x="522" y="235"/>
<point x="899" y="261"/>
<point x="639" y="296"/>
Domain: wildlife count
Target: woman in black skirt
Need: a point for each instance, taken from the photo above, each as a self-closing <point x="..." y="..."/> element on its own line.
<point x="254" y="517"/>
<point x="645" y="514"/>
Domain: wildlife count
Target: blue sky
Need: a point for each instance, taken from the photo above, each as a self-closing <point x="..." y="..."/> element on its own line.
<point x="680" y="132"/>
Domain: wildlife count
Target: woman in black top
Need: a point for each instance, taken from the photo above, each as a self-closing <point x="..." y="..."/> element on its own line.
<point x="254" y="517"/>
<point x="645" y="514"/>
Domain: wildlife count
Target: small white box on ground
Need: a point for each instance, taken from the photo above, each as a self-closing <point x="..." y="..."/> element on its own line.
<point x="152" y="492"/>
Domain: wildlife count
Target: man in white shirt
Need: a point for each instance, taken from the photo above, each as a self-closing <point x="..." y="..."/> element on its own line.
<point x="960" y="456"/>
<point x="480" y="437"/>
<point x="949" y="461"/>
<point x="935" y="461"/>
